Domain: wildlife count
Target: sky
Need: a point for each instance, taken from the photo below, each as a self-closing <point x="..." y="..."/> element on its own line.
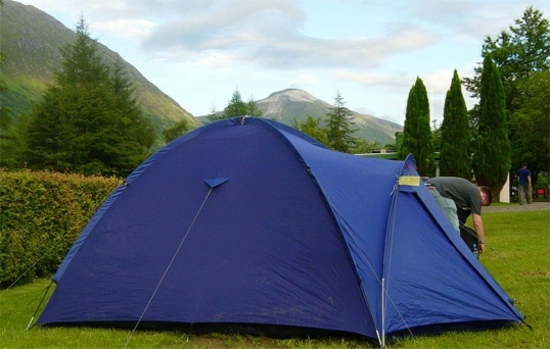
<point x="199" y="52"/>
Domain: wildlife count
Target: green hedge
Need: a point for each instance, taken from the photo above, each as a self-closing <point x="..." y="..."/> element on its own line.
<point x="41" y="215"/>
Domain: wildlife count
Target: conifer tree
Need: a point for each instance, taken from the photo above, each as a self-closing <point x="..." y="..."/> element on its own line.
<point x="252" y="108"/>
<point x="417" y="138"/>
<point x="87" y="121"/>
<point x="455" y="134"/>
<point x="134" y="134"/>
<point x="179" y="128"/>
<point x="312" y="127"/>
<point x="491" y="160"/>
<point x="237" y="107"/>
<point x="339" y="127"/>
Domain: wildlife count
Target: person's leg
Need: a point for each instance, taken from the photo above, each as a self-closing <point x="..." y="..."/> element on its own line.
<point x="448" y="207"/>
<point x="521" y="194"/>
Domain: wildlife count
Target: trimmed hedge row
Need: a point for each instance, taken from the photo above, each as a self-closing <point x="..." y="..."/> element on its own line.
<point x="41" y="215"/>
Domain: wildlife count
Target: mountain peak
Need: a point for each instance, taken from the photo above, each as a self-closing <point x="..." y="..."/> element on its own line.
<point x="294" y="105"/>
<point x="293" y="94"/>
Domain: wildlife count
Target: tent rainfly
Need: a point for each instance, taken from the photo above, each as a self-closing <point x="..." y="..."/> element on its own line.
<point x="248" y="221"/>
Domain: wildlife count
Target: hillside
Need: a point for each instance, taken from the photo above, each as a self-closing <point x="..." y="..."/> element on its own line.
<point x="31" y="40"/>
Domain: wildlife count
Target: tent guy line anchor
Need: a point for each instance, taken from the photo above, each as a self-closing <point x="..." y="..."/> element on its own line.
<point x="30" y="324"/>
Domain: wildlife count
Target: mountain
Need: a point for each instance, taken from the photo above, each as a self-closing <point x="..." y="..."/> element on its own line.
<point x="30" y="42"/>
<point x="31" y="39"/>
<point x="294" y="104"/>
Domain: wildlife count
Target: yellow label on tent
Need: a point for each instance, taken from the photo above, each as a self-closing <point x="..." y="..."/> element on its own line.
<point x="413" y="181"/>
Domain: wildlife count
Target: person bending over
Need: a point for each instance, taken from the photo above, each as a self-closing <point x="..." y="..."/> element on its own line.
<point x="468" y="199"/>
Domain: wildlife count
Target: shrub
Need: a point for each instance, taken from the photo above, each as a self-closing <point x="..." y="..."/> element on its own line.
<point x="42" y="213"/>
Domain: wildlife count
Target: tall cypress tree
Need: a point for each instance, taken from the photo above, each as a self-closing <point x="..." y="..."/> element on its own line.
<point x="87" y="122"/>
<point x="491" y="161"/>
<point x="417" y="137"/>
<point x="455" y="134"/>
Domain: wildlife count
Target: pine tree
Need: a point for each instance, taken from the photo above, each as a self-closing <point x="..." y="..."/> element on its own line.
<point x="88" y="122"/>
<point x="339" y="127"/>
<point x="312" y="127"/>
<point x="237" y="107"/>
<point x="179" y="128"/>
<point x="491" y="161"/>
<point x="134" y="134"/>
<point x="417" y="138"/>
<point x="252" y="108"/>
<point x="455" y="134"/>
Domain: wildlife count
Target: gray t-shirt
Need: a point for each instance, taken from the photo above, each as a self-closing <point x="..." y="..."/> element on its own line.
<point x="464" y="193"/>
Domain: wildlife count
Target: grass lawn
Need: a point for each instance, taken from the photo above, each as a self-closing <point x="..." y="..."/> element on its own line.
<point x="518" y="256"/>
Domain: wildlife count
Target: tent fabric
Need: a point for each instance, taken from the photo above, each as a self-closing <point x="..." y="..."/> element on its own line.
<point x="249" y="221"/>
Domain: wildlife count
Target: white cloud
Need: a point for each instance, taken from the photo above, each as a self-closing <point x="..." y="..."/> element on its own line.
<point x="133" y="29"/>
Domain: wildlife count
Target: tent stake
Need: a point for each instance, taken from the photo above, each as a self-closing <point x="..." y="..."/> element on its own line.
<point x="29" y="325"/>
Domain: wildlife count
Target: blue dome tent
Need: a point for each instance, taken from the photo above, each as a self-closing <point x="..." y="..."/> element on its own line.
<point x="248" y="221"/>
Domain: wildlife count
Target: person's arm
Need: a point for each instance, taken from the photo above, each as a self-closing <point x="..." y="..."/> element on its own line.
<point x="478" y="226"/>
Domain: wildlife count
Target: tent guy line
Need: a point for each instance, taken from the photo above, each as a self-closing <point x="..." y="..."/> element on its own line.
<point x="170" y="264"/>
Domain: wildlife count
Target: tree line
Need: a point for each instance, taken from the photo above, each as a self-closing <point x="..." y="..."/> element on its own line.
<point x="89" y="121"/>
<point x="508" y="126"/>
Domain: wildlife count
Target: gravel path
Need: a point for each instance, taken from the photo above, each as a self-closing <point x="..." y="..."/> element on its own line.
<point x="515" y="207"/>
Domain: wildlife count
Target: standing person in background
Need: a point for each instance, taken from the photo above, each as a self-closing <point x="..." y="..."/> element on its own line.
<point x="524" y="184"/>
<point x="468" y="199"/>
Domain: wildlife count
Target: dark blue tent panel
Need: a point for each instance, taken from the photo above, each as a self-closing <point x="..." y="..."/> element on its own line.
<point x="248" y="221"/>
